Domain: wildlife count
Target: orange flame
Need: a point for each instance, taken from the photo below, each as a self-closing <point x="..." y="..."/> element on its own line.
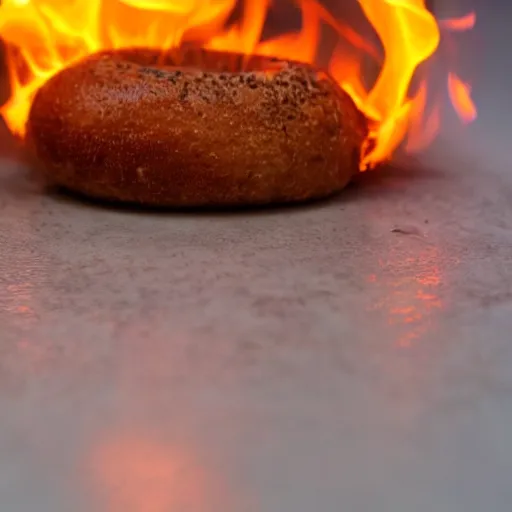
<point x="460" y="24"/>
<point x="48" y="35"/>
<point x="460" y="95"/>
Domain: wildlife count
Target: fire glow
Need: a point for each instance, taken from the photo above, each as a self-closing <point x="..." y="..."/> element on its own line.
<point x="49" y="35"/>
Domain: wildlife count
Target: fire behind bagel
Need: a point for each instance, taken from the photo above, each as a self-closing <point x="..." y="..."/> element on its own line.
<point x="193" y="128"/>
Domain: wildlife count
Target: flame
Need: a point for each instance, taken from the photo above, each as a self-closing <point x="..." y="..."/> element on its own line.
<point x="460" y="95"/>
<point x="45" y="36"/>
<point x="460" y="24"/>
<point x="422" y="129"/>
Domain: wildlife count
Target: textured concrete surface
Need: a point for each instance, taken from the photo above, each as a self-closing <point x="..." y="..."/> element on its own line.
<point x="352" y="355"/>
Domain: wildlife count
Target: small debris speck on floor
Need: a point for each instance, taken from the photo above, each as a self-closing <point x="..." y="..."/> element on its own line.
<point x="407" y="230"/>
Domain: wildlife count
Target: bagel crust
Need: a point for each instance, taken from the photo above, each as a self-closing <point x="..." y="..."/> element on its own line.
<point x="184" y="130"/>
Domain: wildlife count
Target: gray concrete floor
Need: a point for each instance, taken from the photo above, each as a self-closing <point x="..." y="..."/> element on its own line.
<point x="351" y="356"/>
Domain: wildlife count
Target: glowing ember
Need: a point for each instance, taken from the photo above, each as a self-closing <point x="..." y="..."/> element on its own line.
<point x="48" y="35"/>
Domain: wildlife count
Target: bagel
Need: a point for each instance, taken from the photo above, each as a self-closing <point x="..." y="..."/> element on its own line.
<point x="193" y="128"/>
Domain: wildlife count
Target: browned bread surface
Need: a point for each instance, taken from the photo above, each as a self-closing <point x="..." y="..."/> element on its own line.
<point x="184" y="129"/>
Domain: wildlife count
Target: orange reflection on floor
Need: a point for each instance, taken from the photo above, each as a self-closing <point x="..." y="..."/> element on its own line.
<point x="19" y="298"/>
<point x="412" y="298"/>
<point x="32" y="355"/>
<point x="138" y="474"/>
<point x="23" y="270"/>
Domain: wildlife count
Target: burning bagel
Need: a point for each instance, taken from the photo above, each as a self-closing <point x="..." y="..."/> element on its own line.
<point x="195" y="128"/>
